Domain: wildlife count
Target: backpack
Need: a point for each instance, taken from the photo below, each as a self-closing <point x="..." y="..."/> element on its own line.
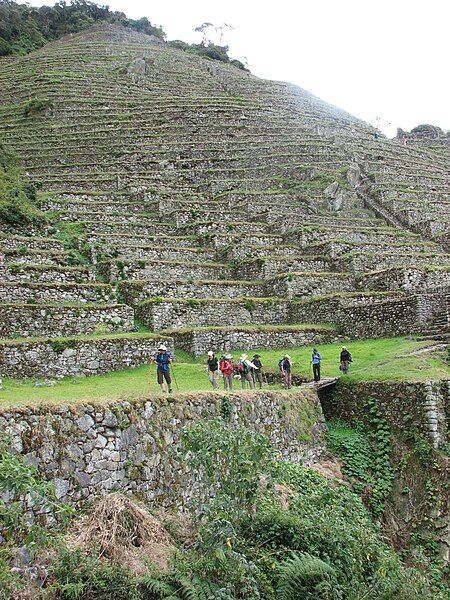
<point x="226" y="366"/>
<point x="280" y="364"/>
<point x="242" y="368"/>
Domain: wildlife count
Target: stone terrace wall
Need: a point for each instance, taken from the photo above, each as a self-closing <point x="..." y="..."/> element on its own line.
<point x="71" y="357"/>
<point x="199" y="342"/>
<point x="424" y="406"/>
<point x="87" y="449"/>
<point x="28" y="320"/>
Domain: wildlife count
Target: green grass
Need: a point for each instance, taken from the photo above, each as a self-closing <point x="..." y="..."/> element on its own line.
<point x="379" y="359"/>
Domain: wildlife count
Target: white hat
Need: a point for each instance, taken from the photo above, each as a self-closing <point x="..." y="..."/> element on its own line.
<point x="287" y="356"/>
<point x="162" y="347"/>
<point x="243" y="357"/>
<point x="228" y="356"/>
<point x="210" y="353"/>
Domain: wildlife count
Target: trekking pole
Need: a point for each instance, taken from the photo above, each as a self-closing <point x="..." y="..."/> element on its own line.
<point x="150" y="376"/>
<point x="175" y="378"/>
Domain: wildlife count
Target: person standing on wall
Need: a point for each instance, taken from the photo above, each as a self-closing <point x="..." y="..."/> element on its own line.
<point x="163" y="359"/>
<point x="316" y="359"/>
<point x="257" y="373"/>
<point x="285" y="365"/>
<point x="212" y="366"/>
<point x="346" y="359"/>
<point x="227" y="368"/>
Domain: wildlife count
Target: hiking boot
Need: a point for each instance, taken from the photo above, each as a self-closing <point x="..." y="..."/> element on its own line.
<point x="170" y="391"/>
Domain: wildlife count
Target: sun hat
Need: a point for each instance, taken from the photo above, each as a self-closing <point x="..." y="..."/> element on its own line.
<point x="243" y="357"/>
<point x="344" y="348"/>
<point x="257" y="356"/>
<point x="287" y="356"/>
<point x="210" y="353"/>
<point x="228" y="356"/>
<point x="162" y="347"/>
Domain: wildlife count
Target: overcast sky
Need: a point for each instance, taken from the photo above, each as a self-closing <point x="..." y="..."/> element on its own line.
<point x="386" y="59"/>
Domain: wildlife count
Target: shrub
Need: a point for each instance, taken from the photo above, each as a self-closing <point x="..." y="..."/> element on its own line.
<point x="36" y="106"/>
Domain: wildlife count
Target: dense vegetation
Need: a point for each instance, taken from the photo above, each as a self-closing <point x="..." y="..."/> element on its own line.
<point x="271" y="530"/>
<point x="24" y="28"/>
<point x="17" y="196"/>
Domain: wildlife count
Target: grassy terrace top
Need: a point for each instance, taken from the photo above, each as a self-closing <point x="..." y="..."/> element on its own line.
<point x="389" y="359"/>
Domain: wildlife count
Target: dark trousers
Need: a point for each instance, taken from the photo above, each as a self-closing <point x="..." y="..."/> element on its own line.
<point x="316" y="371"/>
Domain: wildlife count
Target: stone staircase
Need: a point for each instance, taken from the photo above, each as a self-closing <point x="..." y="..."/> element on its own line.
<point x="199" y="206"/>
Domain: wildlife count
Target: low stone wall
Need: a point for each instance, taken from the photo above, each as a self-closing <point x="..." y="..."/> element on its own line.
<point x="199" y="341"/>
<point x="164" y="252"/>
<point x="406" y="279"/>
<point x="268" y="267"/>
<point x="211" y="312"/>
<point x="369" y="262"/>
<point x="311" y="284"/>
<point x="28" y="320"/>
<point x="17" y="242"/>
<point x="57" y="292"/>
<point x="45" y="274"/>
<point x="164" y="270"/>
<point x="134" y="292"/>
<point x="72" y="357"/>
<point x="86" y="449"/>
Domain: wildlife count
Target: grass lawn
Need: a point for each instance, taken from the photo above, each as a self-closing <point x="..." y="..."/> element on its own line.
<point x="380" y="359"/>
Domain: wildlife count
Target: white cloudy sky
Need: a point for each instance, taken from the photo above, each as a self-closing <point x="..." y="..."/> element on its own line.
<point x="374" y="58"/>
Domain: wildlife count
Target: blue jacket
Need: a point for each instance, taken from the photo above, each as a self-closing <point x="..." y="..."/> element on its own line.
<point x="316" y="358"/>
<point x="163" y="360"/>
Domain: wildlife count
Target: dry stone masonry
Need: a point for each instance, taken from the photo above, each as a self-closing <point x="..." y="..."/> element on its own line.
<point x="87" y="449"/>
<point x="229" y="211"/>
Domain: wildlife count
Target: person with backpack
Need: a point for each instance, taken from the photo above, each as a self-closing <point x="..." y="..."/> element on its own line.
<point x="212" y="367"/>
<point x="257" y="373"/>
<point x="163" y="359"/>
<point x="244" y="369"/>
<point x="227" y="369"/>
<point x="315" y="361"/>
<point x="346" y="359"/>
<point x="285" y="365"/>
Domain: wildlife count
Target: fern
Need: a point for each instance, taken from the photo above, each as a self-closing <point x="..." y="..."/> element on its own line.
<point x="305" y="576"/>
<point x="174" y="586"/>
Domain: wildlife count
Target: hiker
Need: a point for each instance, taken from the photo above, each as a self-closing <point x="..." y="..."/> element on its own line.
<point x="244" y="367"/>
<point x="376" y="135"/>
<point x="163" y="359"/>
<point x="212" y="366"/>
<point x="285" y="365"/>
<point x="257" y="373"/>
<point x="315" y="361"/>
<point x="227" y="368"/>
<point x="346" y="359"/>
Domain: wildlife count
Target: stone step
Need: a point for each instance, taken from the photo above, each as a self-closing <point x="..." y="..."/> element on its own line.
<point x="298" y="285"/>
<point x="175" y="313"/>
<point x="27" y="243"/>
<point x="360" y="262"/>
<point x="337" y="247"/>
<point x="134" y="292"/>
<point x="119" y="206"/>
<point x="305" y="237"/>
<point x="136" y="229"/>
<point x="17" y="291"/>
<point x="45" y="273"/>
<point x="28" y="320"/>
<point x="267" y="267"/>
<point x="250" y="338"/>
<point x="163" y="252"/>
<point x="211" y="228"/>
<point x="77" y="356"/>
<point x="116" y="217"/>
<point x="118" y="241"/>
<point x="164" y="269"/>
<point x="406" y="278"/>
<point x="32" y="257"/>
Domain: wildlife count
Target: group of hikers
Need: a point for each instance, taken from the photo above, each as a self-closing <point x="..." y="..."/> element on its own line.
<point x="250" y="372"/>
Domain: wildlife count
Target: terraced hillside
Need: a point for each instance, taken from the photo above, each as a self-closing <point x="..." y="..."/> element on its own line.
<point x="208" y="206"/>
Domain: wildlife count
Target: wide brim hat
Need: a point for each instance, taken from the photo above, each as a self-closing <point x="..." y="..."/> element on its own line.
<point x="287" y="356"/>
<point x="210" y="353"/>
<point x="243" y="357"/>
<point x="228" y="356"/>
<point x="162" y="347"/>
<point x="257" y="356"/>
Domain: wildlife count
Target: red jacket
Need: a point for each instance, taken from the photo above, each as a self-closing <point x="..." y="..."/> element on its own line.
<point x="226" y="366"/>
